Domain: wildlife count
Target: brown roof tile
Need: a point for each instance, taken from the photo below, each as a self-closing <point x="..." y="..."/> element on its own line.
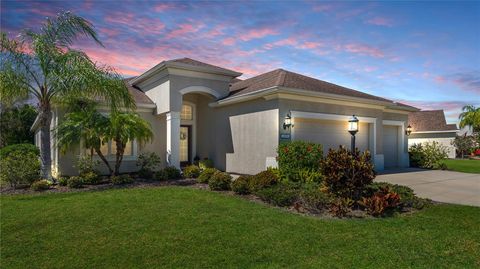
<point x="280" y="77"/>
<point x="193" y="62"/>
<point x="429" y="120"/>
<point x="139" y="96"/>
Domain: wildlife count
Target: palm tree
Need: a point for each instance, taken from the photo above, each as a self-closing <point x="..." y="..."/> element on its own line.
<point x="83" y="123"/>
<point x="126" y="127"/>
<point x="470" y="117"/>
<point x="43" y="65"/>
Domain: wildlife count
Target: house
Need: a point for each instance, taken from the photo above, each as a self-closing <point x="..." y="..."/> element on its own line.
<point x="201" y="110"/>
<point x="429" y="126"/>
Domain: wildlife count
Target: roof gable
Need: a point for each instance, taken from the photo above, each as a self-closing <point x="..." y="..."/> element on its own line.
<point x="429" y="120"/>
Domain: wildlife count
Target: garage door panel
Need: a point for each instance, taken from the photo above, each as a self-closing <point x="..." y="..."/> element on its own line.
<point x="331" y="134"/>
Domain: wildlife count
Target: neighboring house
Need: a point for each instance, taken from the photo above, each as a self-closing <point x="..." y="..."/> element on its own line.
<point x="430" y="125"/>
<point x="201" y="110"/>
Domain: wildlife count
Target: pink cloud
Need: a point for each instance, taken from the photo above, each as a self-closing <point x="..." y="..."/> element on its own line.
<point x="141" y="25"/>
<point x="380" y="21"/>
<point x="363" y="49"/>
<point x="257" y="33"/>
<point x="163" y="7"/>
<point x="469" y="81"/>
<point x="183" y="29"/>
<point x="229" y="41"/>
<point x="216" y="31"/>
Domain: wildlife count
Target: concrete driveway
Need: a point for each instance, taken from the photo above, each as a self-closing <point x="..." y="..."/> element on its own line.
<point x="442" y="186"/>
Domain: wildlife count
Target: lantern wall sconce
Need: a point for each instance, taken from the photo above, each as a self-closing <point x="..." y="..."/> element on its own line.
<point x="287" y="123"/>
<point x="409" y="130"/>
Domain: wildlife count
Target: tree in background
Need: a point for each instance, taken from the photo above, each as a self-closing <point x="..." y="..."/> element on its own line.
<point x="44" y="65"/>
<point x="464" y="144"/>
<point x="15" y="124"/>
<point x="470" y="117"/>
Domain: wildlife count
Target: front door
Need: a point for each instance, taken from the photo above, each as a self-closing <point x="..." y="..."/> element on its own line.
<point x="185" y="144"/>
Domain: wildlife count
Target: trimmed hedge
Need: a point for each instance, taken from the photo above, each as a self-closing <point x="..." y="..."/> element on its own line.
<point x="206" y="174"/>
<point x="241" y="185"/>
<point x="220" y="181"/>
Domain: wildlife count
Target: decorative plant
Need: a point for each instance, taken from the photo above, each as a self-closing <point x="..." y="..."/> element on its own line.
<point x="381" y="201"/>
<point x="241" y="185"/>
<point x="347" y="174"/>
<point x="191" y="171"/>
<point x="206" y="174"/>
<point x="262" y="180"/>
<point x="149" y="163"/>
<point x="297" y="156"/>
<point x="19" y="167"/>
<point x="44" y="65"/>
<point x="220" y="181"/>
<point x="428" y="155"/>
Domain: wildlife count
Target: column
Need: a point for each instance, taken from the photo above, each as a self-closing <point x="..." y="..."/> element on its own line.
<point x="173" y="139"/>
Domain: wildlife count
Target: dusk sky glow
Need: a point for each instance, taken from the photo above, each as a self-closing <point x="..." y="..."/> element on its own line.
<point x="425" y="54"/>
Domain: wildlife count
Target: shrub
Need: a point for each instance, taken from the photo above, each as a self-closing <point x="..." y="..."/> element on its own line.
<point x="75" y="182"/>
<point x="241" y="185"/>
<point x="262" y="180"/>
<point x="416" y="155"/>
<point x="313" y="199"/>
<point x="90" y="178"/>
<point x="205" y="163"/>
<point x="296" y="156"/>
<point x="62" y="181"/>
<point x="20" y="148"/>
<point x="340" y="207"/>
<point x="281" y="194"/>
<point x="172" y="172"/>
<point x="40" y="185"/>
<point x="220" y="181"/>
<point x="382" y="201"/>
<point x="191" y="171"/>
<point x="427" y="155"/>
<point x="347" y="174"/>
<point x="407" y="195"/>
<point x="19" y="167"/>
<point x="87" y="165"/>
<point x="206" y="174"/>
<point x="160" y="175"/>
<point x="307" y="175"/>
<point x="121" y="179"/>
<point x="149" y="163"/>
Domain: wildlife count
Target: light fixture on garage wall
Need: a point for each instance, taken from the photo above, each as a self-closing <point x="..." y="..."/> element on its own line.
<point x="353" y="129"/>
<point x="409" y="130"/>
<point x="287" y="122"/>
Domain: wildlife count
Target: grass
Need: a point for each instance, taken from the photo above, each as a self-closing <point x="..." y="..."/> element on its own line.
<point x="467" y="166"/>
<point x="178" y="227"/>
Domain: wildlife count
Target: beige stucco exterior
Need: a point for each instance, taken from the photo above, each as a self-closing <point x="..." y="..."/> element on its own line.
<point x="241" y="134"/>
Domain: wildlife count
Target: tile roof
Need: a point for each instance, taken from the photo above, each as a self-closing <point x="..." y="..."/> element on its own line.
<point x="429" y="120"/>
<point x="192" y="62"/>
<point x="138" y="95"/>
<point x="284" y="78"/>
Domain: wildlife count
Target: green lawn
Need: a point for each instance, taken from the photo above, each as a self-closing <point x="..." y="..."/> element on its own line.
<point x="467" y="166"/>
<point x="179" y="227"/>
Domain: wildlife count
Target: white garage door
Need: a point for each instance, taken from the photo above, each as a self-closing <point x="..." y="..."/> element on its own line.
<point x="329" y="133"/>
<point x="390" y="146"/>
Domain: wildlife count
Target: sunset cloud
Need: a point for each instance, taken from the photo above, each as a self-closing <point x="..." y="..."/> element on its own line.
<point x="380" y="21"/>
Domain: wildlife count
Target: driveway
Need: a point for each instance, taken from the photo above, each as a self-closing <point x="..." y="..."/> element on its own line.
<point x="442" y="186"/>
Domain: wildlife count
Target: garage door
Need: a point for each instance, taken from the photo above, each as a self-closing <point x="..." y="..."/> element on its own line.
<point x="329" y="133"/>
<point x="390" y="146"/>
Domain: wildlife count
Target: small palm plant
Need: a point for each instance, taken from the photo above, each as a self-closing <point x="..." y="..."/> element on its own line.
<point x="44" y="65"/>
<point x="470" y="117"/>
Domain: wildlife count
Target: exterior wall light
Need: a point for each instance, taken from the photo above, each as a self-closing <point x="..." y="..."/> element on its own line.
<point x="409" y="130"/>
<point x="287" y="123"/>
<point x="353" y="129"/>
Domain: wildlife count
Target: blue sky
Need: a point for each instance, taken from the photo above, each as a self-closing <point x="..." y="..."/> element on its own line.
<point x="426" y="54"/>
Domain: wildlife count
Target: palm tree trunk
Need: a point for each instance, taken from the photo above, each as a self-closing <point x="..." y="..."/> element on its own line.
<point x="45" y="118"/>
<point x="119" y="156"/>
<point x="100" y="154"/>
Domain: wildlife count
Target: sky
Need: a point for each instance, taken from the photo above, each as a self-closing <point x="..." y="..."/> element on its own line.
<point x="426" y="54"/>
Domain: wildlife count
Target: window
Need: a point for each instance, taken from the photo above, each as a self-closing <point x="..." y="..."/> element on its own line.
<point x="186" y="113"/>
<point x="110" y="148"/>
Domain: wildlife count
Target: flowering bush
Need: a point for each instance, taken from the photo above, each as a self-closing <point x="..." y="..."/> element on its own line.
<point x="427" y="155"/>
<point x="297" y="156"/>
